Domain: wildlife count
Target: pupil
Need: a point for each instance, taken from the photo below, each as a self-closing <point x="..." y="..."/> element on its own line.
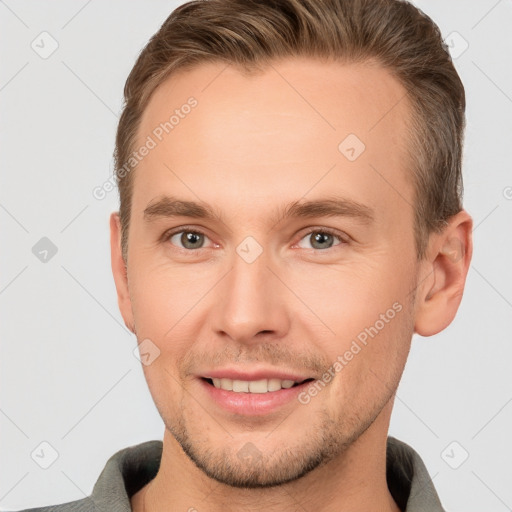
<point x="322" y="238"/>
<point x="191" y="239"/>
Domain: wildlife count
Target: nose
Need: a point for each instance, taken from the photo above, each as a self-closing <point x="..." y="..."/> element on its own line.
<point x="252" y="302"/>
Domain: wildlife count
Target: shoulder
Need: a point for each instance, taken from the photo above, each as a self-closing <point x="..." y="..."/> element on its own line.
<point x="125" y="473"/>
<point x="83" y="505"/>
<point x="408" y="479"/>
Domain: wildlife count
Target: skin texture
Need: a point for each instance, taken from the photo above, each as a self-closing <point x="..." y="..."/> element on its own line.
<point x="252" y="145"/>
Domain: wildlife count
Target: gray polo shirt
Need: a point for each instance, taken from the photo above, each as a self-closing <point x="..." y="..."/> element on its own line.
<point x="130" y="469"/>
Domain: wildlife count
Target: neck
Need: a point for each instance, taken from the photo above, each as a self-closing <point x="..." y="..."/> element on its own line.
<point x="356" y="480"/>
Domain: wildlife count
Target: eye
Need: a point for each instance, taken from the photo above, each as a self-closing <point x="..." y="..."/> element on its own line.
<point x="192" y="239"/>
<point x="187" y="239"/>
<point x="320" y="239"/>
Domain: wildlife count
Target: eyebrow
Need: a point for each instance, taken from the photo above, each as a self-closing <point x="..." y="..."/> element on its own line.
<point x="169" y="207"/>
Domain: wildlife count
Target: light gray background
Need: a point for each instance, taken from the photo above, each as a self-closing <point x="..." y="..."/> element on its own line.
<point x="68" y="373"/>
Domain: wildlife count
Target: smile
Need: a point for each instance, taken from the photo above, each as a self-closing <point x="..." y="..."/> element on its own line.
<point x="253" y="386"/>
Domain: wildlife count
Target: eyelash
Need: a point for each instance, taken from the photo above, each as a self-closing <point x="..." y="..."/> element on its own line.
<point x="325" y="231"/>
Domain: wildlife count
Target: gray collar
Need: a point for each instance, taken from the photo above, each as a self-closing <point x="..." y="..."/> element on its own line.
<point x="130" y="469"/>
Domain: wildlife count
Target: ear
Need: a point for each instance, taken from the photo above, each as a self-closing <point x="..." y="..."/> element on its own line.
<point x="119" y="270"/>
<point x="445" y="269"/>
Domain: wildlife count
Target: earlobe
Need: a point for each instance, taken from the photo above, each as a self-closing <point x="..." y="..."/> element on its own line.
<point x="447" y="265"/>
<point x="120" y="272"/>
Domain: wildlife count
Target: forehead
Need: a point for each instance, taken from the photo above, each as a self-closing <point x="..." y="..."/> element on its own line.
<point x="301" y="127"/>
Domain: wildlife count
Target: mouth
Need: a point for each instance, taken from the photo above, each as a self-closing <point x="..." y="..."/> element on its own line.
<point x="252" y="394"/>
<point x="260" y="386"/>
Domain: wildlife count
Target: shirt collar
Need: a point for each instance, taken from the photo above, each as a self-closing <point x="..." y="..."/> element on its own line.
<point x="130" y="469"/>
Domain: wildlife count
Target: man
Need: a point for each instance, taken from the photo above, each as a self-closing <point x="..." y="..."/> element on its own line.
<point x="290" y="215"/>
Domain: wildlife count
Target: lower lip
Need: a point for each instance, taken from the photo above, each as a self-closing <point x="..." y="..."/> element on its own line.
<point x="253" y="404"/>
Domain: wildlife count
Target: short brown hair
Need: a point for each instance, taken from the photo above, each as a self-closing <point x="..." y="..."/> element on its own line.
<point x="250" y="33"/>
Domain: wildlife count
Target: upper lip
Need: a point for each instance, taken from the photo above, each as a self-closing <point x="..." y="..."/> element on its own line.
<point x="249" y="375"/>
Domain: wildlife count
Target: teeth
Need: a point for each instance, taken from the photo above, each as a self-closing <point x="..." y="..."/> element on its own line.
<point x="226" y="384"/>
<point x="241" y="386"/>
<point x="274" y="384"/>
<point x="253" y="386"/>
<point x="258" y="386"/>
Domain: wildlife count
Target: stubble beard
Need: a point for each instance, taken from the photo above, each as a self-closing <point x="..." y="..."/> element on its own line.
<point x="251" y="466"/>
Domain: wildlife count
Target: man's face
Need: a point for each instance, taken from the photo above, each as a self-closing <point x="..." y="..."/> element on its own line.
<point x="257" y="295"/>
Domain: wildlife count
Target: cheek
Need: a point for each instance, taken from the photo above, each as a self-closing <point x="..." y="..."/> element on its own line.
<point x="163" y="310"/>
<point x="368" y="368"/>
<point x="164" y="296"/>
<point x="348" y="297"/>
<point x="367" y="309"/>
